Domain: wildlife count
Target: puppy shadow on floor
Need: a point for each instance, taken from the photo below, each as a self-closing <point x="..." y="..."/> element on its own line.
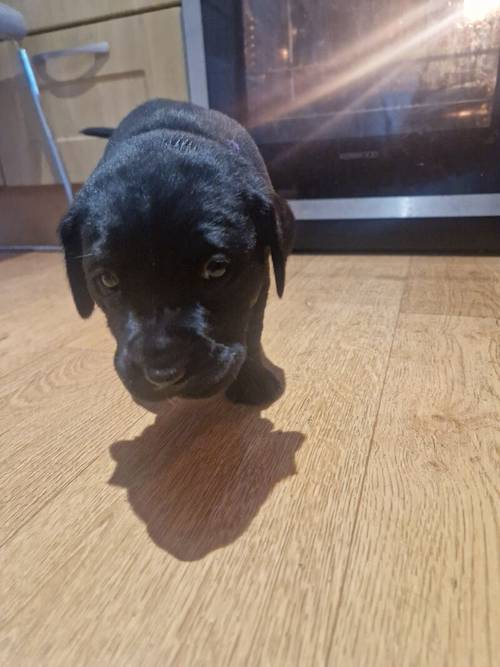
<point x="199" y="475"/>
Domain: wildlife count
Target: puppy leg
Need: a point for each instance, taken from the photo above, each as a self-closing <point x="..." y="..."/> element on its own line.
<point x="257" y="383"/>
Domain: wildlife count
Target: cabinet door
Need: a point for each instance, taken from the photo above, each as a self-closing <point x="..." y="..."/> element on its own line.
<point x="145" y="60"/>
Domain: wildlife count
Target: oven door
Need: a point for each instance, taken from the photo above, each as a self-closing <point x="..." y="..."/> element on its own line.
<point x="362" y="109"/>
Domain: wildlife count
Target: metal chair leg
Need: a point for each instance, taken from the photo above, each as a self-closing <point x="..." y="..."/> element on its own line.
<point x="55" y="158"/>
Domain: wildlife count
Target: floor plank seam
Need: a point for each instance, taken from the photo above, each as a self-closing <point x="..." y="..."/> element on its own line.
<point x="363" y="481"/>
<point x="419" y="313"/>
<point x="60" y="490"/>
<point x="47" y="502"/>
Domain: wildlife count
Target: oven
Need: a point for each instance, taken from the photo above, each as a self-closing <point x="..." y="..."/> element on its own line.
<point x="378" y="119"/>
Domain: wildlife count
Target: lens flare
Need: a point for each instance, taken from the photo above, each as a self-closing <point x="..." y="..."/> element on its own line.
<point x="477" y="10"/>
<point x="380" y="58"/>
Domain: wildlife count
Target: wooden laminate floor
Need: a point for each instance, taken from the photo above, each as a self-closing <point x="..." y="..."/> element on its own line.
<point x="355" y="522"/>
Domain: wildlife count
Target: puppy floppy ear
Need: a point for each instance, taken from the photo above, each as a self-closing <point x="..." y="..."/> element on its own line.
<point x="71" y="239"/>
<point x="275" y="224"/>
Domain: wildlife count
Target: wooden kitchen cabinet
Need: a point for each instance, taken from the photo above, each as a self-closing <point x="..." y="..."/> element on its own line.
<point x="42" y="15"/>
<point x="145" y="60"/>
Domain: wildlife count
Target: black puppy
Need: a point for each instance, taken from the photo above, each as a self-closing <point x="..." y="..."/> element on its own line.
<point x="171" y="236"/>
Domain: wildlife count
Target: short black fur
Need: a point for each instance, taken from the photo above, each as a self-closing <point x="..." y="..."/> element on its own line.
<point x="171" y="237"/>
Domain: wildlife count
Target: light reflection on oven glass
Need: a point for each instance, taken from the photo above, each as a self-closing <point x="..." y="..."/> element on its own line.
<point x="320" y="69"/>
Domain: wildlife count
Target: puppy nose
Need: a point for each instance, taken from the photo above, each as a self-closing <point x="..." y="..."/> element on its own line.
<point x="163" y="377"/>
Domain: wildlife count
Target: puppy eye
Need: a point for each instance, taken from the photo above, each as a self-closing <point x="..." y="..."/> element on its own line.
<point x="109" y="280"/>
<point x="216" y="267"/>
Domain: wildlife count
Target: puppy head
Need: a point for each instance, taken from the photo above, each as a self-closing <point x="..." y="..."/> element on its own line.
<point x="173" y="245"/>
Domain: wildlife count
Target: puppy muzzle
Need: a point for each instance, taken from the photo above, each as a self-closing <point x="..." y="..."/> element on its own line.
<point x="210" y="368"/>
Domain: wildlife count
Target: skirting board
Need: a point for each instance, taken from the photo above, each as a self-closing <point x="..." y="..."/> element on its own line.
<point x="29" y="216"/>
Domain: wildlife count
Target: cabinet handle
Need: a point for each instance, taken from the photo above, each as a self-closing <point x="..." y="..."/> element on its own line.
<point x="97" y="48"/>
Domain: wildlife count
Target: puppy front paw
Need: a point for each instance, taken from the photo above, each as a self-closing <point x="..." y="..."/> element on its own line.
<point x="256" y="385"/>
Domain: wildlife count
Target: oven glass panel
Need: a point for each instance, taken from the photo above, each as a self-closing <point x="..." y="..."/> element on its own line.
<point x="366" y="97"/>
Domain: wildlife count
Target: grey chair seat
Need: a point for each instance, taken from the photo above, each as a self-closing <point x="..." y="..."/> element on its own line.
<point x="12" y="23"/>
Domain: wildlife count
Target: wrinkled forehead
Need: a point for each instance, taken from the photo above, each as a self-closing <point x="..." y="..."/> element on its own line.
<point x="183" y="228"/>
